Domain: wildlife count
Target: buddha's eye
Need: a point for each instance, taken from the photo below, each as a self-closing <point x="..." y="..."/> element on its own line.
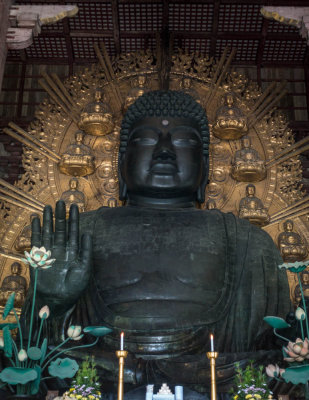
<point x="185" y="142"/>
<point x="150" y="141"/>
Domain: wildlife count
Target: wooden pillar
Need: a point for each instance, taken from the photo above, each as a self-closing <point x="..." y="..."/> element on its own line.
<point x="4" y="25"/>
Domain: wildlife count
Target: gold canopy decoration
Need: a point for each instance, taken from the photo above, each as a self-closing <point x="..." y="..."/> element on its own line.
<point x="56" y="122"/>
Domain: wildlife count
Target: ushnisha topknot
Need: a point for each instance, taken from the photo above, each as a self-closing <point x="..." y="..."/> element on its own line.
<point x="161" y="103"/>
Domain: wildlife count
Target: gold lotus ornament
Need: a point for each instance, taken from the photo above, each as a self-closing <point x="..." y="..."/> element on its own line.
<point x="97" y="118"/>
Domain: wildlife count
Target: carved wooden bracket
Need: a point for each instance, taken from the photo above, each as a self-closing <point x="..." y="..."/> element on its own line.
<point x="26" y="22"/>
<point x="295" y="16"/>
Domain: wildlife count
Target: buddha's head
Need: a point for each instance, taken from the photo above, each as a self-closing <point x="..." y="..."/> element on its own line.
<point x="250" y="190"/>
<point x="73" y="184"/>
<point x="141" y="80"/>
<point x="246" y="142"/>
<point x="229" y="99"/>
<point x="79" y="136"/>
<point x="305" y="277"/>
<point x="164" y="148"/>
<point x="288" y="225"/>
<point x="186" y="83"/>
<point x="16" y="268"/>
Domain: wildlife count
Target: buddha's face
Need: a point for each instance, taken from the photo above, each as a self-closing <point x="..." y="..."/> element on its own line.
<point x="73" y="184"/>
<point x="288" y="226"/>
<point x="15" y="269"/>
<point x="163" y="158"/>
<point x="305" y="278"/>
<point x="141" y="80"/>
<point x="79" y="136"/>
<point x="250" y="190"/>
<point x="246" y="142"/>
<point x="186" y="83"/>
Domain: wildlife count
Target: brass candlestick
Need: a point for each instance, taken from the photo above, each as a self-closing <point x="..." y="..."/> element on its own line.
<point x="212" y="355"/>
<point x="121" y="354"/>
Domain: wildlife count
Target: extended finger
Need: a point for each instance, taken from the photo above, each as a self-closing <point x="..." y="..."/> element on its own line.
<point x="47" y="231"/>
<point x="36" y="232"/>
<point x="73" y="227"/>
<point x="86" y="250"/>
<point x="60" y="224"/>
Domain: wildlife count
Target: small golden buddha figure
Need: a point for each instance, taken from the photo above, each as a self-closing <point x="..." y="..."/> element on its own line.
<point x="78" y="159"/>
<point x="304" y="277"/>
<point x="14" y="283"/>
<point x="73" y="195"/>
<point x="186" y="87"/>
<point x="136" y="91"/>
<point x="24" y="239"/>
<point x="211" y="204"/>
<point x="291" y="245"/>
<point x="252" y="208"/>
<point x="96" y="119"/>
<point x="247" y="165"/>
<point x="112" y="202"/>
<point x="230" y="122"/>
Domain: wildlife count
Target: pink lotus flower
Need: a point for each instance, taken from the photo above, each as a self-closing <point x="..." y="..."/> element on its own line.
<point x="297" y="351"/>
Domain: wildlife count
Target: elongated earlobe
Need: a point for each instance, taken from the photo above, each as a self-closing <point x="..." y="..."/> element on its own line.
<point x="200" y="194"/>
<point x="122" y="184"/>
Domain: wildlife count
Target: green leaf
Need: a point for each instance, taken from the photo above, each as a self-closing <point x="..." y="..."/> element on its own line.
<point x="9" y="305"/>
<point x="15" y="375"/>
<point x="10" y="325"/>
<point x="276" y="322"/>
<point x="97" y="330"/>
<point x="43" y="350"/>
<point x="296" y="375"/>
<point x="7" y="342"/>
<point x="35" y="385"/>
<point x="34" y="353"/>
<point x="63" y="368"/>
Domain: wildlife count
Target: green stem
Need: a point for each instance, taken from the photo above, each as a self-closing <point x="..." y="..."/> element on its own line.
<point x="279" y="336"/>
<point x="39" y="334"/>
<point x="304" y="304"/>
<point x="69" y="349"/>
<point x="16" y="353"/>
<point x="306" y="391"/>
<point x="33" y="303"/>
<point x="302" y="330"/>
<point x="54" y="349"/>
<point x="19" y="329"/>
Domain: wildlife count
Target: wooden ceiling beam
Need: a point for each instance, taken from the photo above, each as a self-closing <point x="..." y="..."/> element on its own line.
<point x="116" y="30"/>
<point x="213" y="44"/>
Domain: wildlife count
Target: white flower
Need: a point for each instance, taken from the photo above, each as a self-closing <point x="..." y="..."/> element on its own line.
<point x="44" y="312"/>
<point x="74" y="332"/>
<point x="300" y="314"/>
<point x="272" y="370"/>
<point x="1" y="342"/>
<point x="22" y="355"/>
<point x="39" y="258"/>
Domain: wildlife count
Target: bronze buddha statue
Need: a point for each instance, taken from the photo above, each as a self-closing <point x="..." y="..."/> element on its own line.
<point x="252" y="208"/>
<point x="247" y="165"/>
<point x="78" y="159"/>
<point x="291" y="245"/>
<point x="74" y="196"/>
<point x="158" y="268"/>
<point x="137" y="91"/>
<point x="230" y="122"/>
<point x="304" y="276"/>
<point x="186" y="87"/>
<point x="14" y="283"/>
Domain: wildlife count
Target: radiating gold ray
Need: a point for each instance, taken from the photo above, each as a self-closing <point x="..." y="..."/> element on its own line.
<point x="63" y="88"/>
<point x="28" y="140"/>
<point x="288" y="150"/>
<point x="19" y="203"/>
<point x="12" y="256"/>
<point x="20" y="192"/>
<point x="290" y="216"/>
<point x="288" y="156"/>
<point x="295" y="205"/>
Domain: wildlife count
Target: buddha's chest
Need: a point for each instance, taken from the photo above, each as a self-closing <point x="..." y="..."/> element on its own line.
<point x="164" y="248"/>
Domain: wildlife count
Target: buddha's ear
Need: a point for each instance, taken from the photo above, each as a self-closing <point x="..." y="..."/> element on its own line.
<point x="122" y="184"/>
<point x="200" y="194"/>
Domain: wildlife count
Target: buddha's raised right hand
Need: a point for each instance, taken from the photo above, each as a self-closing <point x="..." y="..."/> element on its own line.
<point x="61" y="285"/>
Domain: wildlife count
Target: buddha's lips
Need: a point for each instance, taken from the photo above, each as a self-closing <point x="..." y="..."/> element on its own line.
<point x="164" y="167"/>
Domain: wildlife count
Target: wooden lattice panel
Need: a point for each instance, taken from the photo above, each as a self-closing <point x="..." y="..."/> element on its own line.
<point x="92" y="15"/>
<point x="140" y="16"/>
<point x="246" y="49"/>
<point x="201" y="46"/>
<point x="284" y="50"/>
<point x="239" y="18"/>
<point x="83" y="47"/>
<point x="46" y="47"/>
<point x="191" y="17"/>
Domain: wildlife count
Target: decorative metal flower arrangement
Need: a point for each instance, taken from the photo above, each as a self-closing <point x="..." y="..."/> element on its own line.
<point x="295" y="353"/>
<point x="29" y="360"/>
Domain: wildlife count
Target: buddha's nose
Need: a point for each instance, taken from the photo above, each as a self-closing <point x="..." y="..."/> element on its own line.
<point x="164" y="149"/>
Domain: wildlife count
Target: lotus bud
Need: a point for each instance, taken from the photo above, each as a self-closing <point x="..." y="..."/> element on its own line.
<point x="74" y="332"/>
<point x="1" y="343"/>
<point x="300" y="314"/>
<point x="44" y="312"/>
<point x="272" y="370"/>
<point x="22" y="355"/>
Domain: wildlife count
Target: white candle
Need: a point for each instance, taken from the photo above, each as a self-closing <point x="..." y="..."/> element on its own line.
<point x="121" y="340"/>
<point x="212" y="346"/>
